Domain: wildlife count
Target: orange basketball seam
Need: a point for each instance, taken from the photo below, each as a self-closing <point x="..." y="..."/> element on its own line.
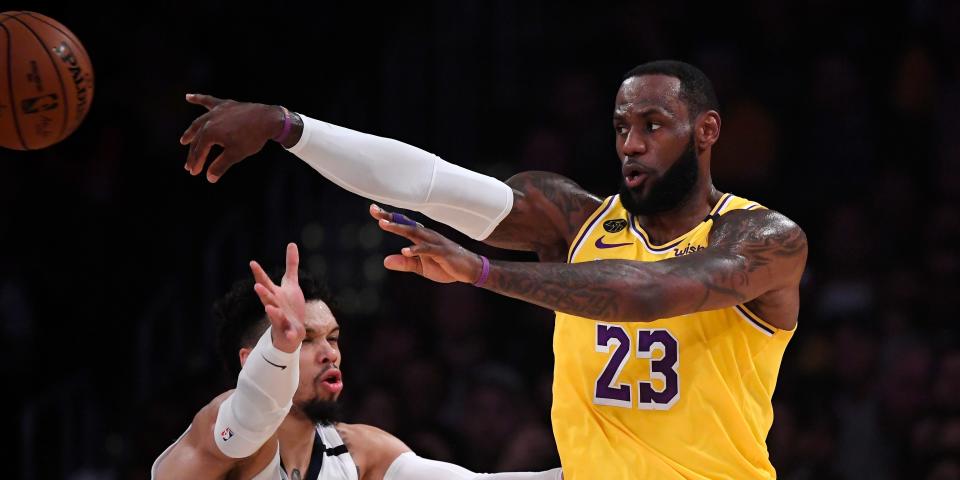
<point x="13" y="109"/>
<point x="56" y="68"/>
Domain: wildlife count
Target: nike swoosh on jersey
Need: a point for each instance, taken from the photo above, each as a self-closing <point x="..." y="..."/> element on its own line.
<point x="599" y="243"/>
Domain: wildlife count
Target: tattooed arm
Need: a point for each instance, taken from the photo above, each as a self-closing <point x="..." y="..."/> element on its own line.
<point x="754" y="256"/>
<point x="548" y="211"/>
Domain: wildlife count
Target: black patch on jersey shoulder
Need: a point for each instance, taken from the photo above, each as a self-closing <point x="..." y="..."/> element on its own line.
<point x="614" y="226"/>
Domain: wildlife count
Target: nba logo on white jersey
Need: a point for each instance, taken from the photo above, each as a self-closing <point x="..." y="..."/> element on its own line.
<point x="226" y="434"/>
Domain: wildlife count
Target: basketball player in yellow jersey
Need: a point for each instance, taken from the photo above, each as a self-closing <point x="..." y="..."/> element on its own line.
<point x="675" y="301"/>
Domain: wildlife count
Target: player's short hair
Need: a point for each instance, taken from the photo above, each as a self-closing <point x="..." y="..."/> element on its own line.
<point x="241" y="319"/>
<point x="696" y="90"/>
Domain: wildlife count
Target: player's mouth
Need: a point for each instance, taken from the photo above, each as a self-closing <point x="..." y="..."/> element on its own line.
<point x="331" y="380"/>
<point x="633" y="176"/>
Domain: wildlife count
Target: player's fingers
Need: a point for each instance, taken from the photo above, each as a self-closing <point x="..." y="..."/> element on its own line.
<point x="410" y="232"/>
<point x="261" y="276"/>
<point x="194" y="127"/>
<point x="378" y="213"/>
<point x="266" y="298"/>
<point x="401" y="263"/>
<point x="221" y="164"/>
<point x="208" y="101"/>
<point x="277" y="319"/>
<point x="293" y="262"/>
<point x="199" y="150"/>
<point x="419" y="249"/>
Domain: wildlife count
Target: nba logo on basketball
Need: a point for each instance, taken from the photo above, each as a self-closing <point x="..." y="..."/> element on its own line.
<point x="226" y="434"/>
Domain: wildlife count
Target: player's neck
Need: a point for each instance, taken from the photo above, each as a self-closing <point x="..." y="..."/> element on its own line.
<point x="296" y="435"/>
<point x="296" y="432"/>
<point x="665" y="226"/>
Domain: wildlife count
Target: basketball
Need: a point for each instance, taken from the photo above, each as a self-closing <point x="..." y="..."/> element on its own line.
<point x="46" y="82"/>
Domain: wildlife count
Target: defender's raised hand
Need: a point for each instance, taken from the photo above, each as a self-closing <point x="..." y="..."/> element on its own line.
<point x="240" y="128"/>
<point x="432" y="255"/>
<point x="284" y="304"/>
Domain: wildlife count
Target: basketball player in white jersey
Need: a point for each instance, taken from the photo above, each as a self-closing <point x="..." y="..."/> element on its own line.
<point x="280" y="422"/>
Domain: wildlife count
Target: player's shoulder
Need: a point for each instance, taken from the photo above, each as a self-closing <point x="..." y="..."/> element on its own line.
<point x="365" y="436"/>
<point x="552" y="186"/>
<point x="372" y="449"/>
<point x="760" y="224"/>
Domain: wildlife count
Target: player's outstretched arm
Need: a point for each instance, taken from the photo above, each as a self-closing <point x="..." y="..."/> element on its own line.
<point x="237" y="429"/>
<point x="751" y="254"/>
<point x="382" y="456"/>
<point x="535" y="211"/>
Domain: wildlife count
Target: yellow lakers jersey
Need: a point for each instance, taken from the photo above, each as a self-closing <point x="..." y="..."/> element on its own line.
<point x="687" y="397"/>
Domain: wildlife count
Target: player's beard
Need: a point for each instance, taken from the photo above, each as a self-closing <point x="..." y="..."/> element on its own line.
<point x="668" y="192"/>
<point x="324" y="412"/>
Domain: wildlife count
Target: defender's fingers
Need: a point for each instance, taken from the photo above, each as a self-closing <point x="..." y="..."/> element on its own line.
<point x="278" y="320"/>
<point x="293" y="263"/>
<point x="261" y="276"/>
<point x="266" y="298"/>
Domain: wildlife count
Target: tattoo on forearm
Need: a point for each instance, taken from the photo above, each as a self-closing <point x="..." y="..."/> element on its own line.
<point x="748" y="253"/>
<point x="588" y="290"/>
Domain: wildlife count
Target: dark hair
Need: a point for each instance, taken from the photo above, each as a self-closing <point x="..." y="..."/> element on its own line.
<point x="695" y="88"/>
<point x="241" y="320"/>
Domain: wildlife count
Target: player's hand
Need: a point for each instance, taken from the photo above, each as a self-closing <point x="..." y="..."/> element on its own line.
<point x="284" y="305"/>
<point x="432" y="255"/>
<point x="240" y="128"/>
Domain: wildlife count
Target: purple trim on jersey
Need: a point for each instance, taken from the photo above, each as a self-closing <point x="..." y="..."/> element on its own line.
<point x="752" y="320"/>
<point x="643" y="238"/>
<point x="586" y="233"/>
<point x="723" y="203"/>
<point x="634" y="224"/>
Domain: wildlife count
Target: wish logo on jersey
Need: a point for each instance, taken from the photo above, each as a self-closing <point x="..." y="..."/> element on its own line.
<point x="226" y="434"/>
<point x="677" y="252"/>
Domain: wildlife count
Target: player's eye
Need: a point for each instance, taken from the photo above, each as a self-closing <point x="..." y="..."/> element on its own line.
<point x="333" y="339"/>
<point x="653" y="126"/>
<point x="621" y="130"/>
<point x="308" y="339"/>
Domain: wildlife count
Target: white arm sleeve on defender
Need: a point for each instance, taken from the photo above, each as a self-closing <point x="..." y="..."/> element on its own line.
<point x="409" y="466"/>
<point x="264" y="394"/>
<point x="405" y="176"/>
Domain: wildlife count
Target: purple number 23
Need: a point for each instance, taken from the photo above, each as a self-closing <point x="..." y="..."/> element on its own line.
<point x="609" y="391"/>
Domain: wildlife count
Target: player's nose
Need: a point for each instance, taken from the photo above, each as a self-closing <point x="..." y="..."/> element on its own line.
<point x="634" y="144"/>
<point x="327" y="354"/>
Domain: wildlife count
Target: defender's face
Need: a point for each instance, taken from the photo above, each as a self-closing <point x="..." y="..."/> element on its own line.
<point x="653" y="130"/>
<point x="320" y="376"/>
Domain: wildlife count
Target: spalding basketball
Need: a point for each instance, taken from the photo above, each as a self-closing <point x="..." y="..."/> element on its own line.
<point x="46" y="82"/>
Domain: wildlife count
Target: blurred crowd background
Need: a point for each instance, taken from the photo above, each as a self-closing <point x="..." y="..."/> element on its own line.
<point x="838" y="114"/>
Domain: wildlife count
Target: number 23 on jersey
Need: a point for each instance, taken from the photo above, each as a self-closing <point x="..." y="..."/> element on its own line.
<point x="659" y="346"/>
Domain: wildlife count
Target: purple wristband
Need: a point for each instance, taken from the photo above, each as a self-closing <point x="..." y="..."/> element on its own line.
<point x="286" y="126"/>
<point x="484" y="272"/>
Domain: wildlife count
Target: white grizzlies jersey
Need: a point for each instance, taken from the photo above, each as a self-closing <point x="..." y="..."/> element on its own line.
<point x="329" y="460"/>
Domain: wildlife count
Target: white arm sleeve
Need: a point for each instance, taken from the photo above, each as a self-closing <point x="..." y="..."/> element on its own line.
<point x="409" y="466"/>
<point x="264" y="395"/>
<point x="405" y="176"/>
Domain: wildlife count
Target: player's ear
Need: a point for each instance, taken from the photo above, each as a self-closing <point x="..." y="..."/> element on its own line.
<point x="708" y="129"/>
<point x="244" y="353"/>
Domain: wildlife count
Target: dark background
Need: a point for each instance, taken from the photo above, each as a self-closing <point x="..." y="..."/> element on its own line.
<point x="841" y="116"/>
